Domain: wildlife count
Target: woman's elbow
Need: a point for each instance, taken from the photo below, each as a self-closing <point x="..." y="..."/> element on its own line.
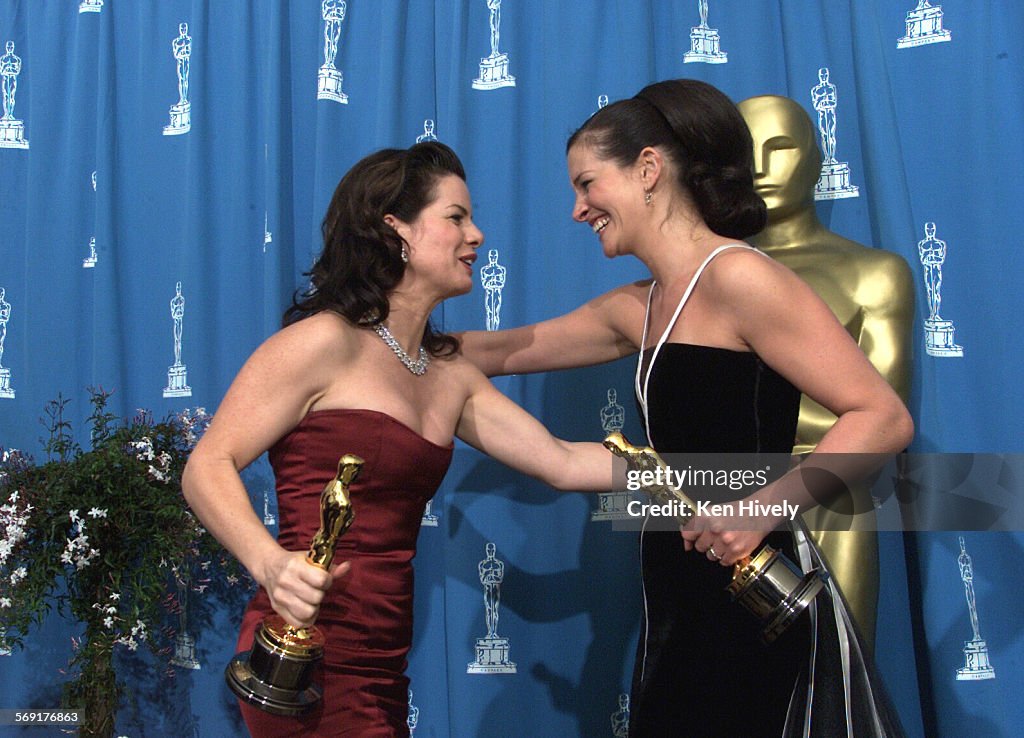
<point x="192" y="478"/>
<point x="899" y="427"/>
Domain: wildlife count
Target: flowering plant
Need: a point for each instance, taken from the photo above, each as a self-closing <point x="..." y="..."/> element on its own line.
<point x="106" y="535"/>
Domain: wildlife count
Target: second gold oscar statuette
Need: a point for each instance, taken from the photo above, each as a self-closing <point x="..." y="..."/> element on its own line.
<point x="277" y="674"/>
<point x="768" y="584"/>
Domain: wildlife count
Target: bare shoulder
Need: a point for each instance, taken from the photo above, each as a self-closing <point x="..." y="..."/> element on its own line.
<point x="743" y="273"/>
<point x="318" y="336"/>
<point x="756" y="290"/>
<point x="279" y="383"/>
<point x="307" y="353"/>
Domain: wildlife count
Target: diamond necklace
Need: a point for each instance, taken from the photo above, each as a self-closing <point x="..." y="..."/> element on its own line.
<point x="417" y="367"/>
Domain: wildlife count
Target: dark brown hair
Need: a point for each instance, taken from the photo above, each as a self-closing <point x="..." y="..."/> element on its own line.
<point x="703" y="134"/>
<point x="361" y="261"/>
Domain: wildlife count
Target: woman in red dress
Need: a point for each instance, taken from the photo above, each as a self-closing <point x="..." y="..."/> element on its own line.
<point x="358" y="369"/>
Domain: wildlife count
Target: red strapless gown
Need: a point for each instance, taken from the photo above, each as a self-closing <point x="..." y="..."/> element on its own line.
<point x="367" y="616"/>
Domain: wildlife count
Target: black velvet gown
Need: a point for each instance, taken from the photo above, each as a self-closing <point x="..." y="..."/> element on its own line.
<point x="701" y="668"/>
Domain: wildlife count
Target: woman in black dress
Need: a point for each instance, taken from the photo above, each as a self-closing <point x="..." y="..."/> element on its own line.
<point x="727" y="340"/>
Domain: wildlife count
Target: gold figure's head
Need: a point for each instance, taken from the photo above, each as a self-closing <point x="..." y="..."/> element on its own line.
<point x="637" y="457"/>
<point x="646" y="460"/>
<point x="616" y="443"/>
<point x="349" y="467"/>
<point x="787" y="162"/>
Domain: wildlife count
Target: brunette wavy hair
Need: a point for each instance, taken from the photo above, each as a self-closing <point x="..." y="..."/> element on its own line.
<point x="361" y="262"/>
<point x="702" y="132"/>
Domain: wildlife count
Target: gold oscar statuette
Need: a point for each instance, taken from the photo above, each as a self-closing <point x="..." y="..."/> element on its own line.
<point x="277" y="674"/>
<point x="768" y="584"/>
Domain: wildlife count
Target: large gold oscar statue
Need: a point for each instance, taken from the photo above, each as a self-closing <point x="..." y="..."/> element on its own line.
<point x="870" y="291"/>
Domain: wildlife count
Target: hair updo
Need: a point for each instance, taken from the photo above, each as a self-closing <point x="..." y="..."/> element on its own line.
<point x="705" y="137"/>
<point x="361" y="262"/>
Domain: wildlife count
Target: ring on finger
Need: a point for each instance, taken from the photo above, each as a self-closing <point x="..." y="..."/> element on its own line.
<point x="713" y="555"/>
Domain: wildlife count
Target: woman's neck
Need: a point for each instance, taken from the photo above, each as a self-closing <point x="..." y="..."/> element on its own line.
<point x="407" y="319"/>
<point x="675" y="250"/>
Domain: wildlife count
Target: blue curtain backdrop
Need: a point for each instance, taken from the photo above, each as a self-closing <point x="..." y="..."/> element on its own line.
<point x="228" y="215"/>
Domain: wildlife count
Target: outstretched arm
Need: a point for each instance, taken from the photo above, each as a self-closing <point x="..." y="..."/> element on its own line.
<point x="500" y="428"/>
<point x="604" y="329"/>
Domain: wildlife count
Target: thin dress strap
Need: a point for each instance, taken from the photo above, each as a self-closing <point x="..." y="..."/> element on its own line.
<point x="641" y="390"/>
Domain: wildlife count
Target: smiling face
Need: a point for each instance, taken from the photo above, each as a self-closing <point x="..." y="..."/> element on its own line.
<point x="786" y="159"/>
<point x="442" y="240"/>
<point x="609" y="198"/>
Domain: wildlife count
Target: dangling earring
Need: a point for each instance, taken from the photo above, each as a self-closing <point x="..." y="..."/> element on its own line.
<point x="647" y="197"/>
<point x="405" y="255"/>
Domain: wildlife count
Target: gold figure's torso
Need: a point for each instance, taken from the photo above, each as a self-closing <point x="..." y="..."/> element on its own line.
<point x="336" y="513"/>
<point x="871" y="293"/>
<point x="869" y="290"/>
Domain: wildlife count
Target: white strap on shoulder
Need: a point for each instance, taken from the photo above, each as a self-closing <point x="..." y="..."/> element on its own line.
<point x="641" y="391"/>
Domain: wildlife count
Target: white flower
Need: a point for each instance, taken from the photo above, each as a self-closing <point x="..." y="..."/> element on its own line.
<point x="108" y="622"/>
<point x="144" y="449"/>
<point x="18" y="574"/>
<point x="5" y="602"/>
<point x="78" y="549"/>
<point x="115" y="595"/>
<point x="97" y="513"/>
